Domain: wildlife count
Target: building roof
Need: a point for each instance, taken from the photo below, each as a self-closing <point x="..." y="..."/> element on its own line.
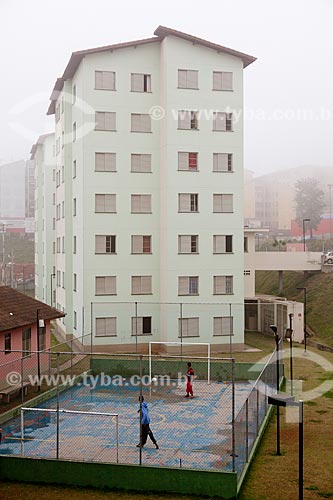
<point x="40" y="140"/>
<point x="18" y="309"/>
<point x="161" y="32"/>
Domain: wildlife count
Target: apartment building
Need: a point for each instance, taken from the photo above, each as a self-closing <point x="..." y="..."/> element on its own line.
<point x="43" y="157"/>
<point x="149" y="192"/>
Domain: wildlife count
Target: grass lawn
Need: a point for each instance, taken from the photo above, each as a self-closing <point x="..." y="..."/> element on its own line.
<point x="271" y="477"/>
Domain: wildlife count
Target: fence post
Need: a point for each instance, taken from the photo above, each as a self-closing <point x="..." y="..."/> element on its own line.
<point x="140" y="412"/>
<point x="22" y="432"/>
<point x="71" y="359"/>
<point x="233" y="414"/>
<point x="58" y="421"/>
<point x="22" y="386"/>
<point x="247" y="430"/>
<point x="257" y="410"/>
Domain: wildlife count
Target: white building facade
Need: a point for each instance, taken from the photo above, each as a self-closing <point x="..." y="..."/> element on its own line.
<point x="43" y="156"/>
<point x="149" y="192"/>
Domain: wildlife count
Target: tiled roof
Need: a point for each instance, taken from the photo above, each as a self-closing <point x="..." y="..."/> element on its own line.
<point x="18" y="309"/>
<point x="160" y="32"/>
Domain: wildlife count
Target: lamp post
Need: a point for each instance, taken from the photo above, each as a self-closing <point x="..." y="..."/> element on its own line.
<point x="304" y="221"/>
<point x="289" y="335"/>
<point x="330" y="188"/>
<point x="304" y="326"/>
<point x="277" y="342"/>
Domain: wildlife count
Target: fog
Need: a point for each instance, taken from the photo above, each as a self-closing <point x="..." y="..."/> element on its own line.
<point x="287" y="91"/>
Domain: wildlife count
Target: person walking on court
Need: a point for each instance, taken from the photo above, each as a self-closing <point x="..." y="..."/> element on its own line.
<point x="145" y="422"/>
<point x="189" y="378"/>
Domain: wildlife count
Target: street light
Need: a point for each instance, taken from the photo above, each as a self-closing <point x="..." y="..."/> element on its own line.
<point x="304" y="326"/>
<point x="330" y="188"/>
<point x="304" y="220"/>
<point x="277" y="342"/>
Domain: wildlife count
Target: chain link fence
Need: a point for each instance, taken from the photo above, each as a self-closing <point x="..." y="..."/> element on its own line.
<point x="96" y="400"/>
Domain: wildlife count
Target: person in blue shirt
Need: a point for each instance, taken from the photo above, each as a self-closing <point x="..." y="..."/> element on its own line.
<point x="146" y="430"/>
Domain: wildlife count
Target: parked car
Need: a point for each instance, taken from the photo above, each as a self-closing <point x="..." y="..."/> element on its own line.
<point x="328" y="258"/>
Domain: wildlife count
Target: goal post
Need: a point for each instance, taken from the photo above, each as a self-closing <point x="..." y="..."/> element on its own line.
<point x="73" y="412"/>
<point x="182" y="344"/>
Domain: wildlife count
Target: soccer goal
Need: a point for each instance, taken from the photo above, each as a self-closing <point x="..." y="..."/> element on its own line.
<point x="76" y="433"/>
<point x="182" y="344"/>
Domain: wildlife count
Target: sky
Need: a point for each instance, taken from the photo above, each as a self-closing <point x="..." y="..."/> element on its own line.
<point x="288" y="91"/>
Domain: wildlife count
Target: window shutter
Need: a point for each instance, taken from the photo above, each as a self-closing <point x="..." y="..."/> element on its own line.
<point x="136" y="326"/>
<point x="183" y="285"/>
<point x="183" y="161"/>
<point x="100" y="120"/>
<point x="226" y="82"/>
<point x="98" y="79"/>
<point x="193" y="327"/>
<point x="146" y="284"/>
<point x="137" y="82"/>
<point x="110" y="285"/>
<point x="110" y="203"/>
<point x="145" y="163"/>
<point x="100" y="244"/>
<point x="136" y="285"/>
<point x="109" y="80"/>
<point x="220" y="162"/>
<point x="184" y="202"/>
<point x="184" y="244"/>
<point x="135" y="163"/>
<point x="141" y="163"/>
<point x="217" y="80"/>
<point x="184" y="120"/>
<point x="146" y="203"/>
<point x="192" y="79"/>
<point x="110" y="121"/>
<point x="220" y="121"/>
<point x="219" y="285"/>
<point x="227" y="203"/>
<point x="182" y="80"/>
<point x="99" y="285"/>
<point x="217" y="203"/>
<point x="99" y="203"/>
<point x="146" y="123"/>
<point x="135" y="203"/>
<point x="219" y="243"/>
<point x="137" y="244"/>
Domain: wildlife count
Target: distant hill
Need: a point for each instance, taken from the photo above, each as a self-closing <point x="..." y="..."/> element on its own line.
<point x="319" y="298"/>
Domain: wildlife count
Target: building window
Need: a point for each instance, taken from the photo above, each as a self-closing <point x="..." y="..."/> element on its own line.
<point x="188" y="243"/>
<point x="222" y="162"/>
<point x="42" y="338"/>
<point x="223" y="325"/>
<point x="58" y="280"/>
<point x="74" y="93"/>
<point x="8" y="343"/>
<point x="105" y="244"/>
<point x="74" y="244"/>
<point x="74" y="169"/>
<point x="187" y="120"/>
<point x="63" y="244"/>
<point x="105" y="80"/>
<point x="75" y="320"/>
<point x="140" y="122"/>
<point x="222" y="122"/>
<point x="246" y="244"/>
<point x="188" y="327"/>
<point x="141" y="203"/>
<point x="74" y="131"/>
<point x="188" y="202"/>
<point x="187" y="79"/>
<point x="105" y="203"/>
<point x="141" y="325"/>
<point x="26" y="343"/>
<point x="106" y="327"/>
<point x="222" y="80"/>
<point x="141" y="244"/>
<point x="75" y="282"/>
<point x="105" y="162"/>
<point x="222" y="203"/>
<point x="105" y="285"/>
<point x="63" y="279"/>
<point x="141" y="285"/>
<point x="188" y="161"/>
<point x="140" y="82"/>
<point x="74" y="207"/>
<point x="188" y="285"/>
<point x="222" y="243"/>
<point x="223" y="285"/>
<point x="58" y="244"/>
<point x="62" y="209"/>
<point x="140" y="163"/>
<point x="105" y="120"/>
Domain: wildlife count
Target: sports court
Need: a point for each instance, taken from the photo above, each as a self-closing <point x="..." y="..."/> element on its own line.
<point x="191" y="433"/>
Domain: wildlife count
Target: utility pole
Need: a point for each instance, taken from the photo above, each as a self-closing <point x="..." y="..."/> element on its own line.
<point x="3" y="269"/>
<point x="330" y="188"/>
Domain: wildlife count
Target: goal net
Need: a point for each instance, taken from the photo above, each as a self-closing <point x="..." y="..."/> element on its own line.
<point x="174" y="365"/>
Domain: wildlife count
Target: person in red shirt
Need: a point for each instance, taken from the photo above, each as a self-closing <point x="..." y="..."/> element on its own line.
<point x="189" y="384"/>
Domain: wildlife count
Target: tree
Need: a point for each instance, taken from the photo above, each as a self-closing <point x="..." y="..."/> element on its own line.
<point x="309" y="199"/>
